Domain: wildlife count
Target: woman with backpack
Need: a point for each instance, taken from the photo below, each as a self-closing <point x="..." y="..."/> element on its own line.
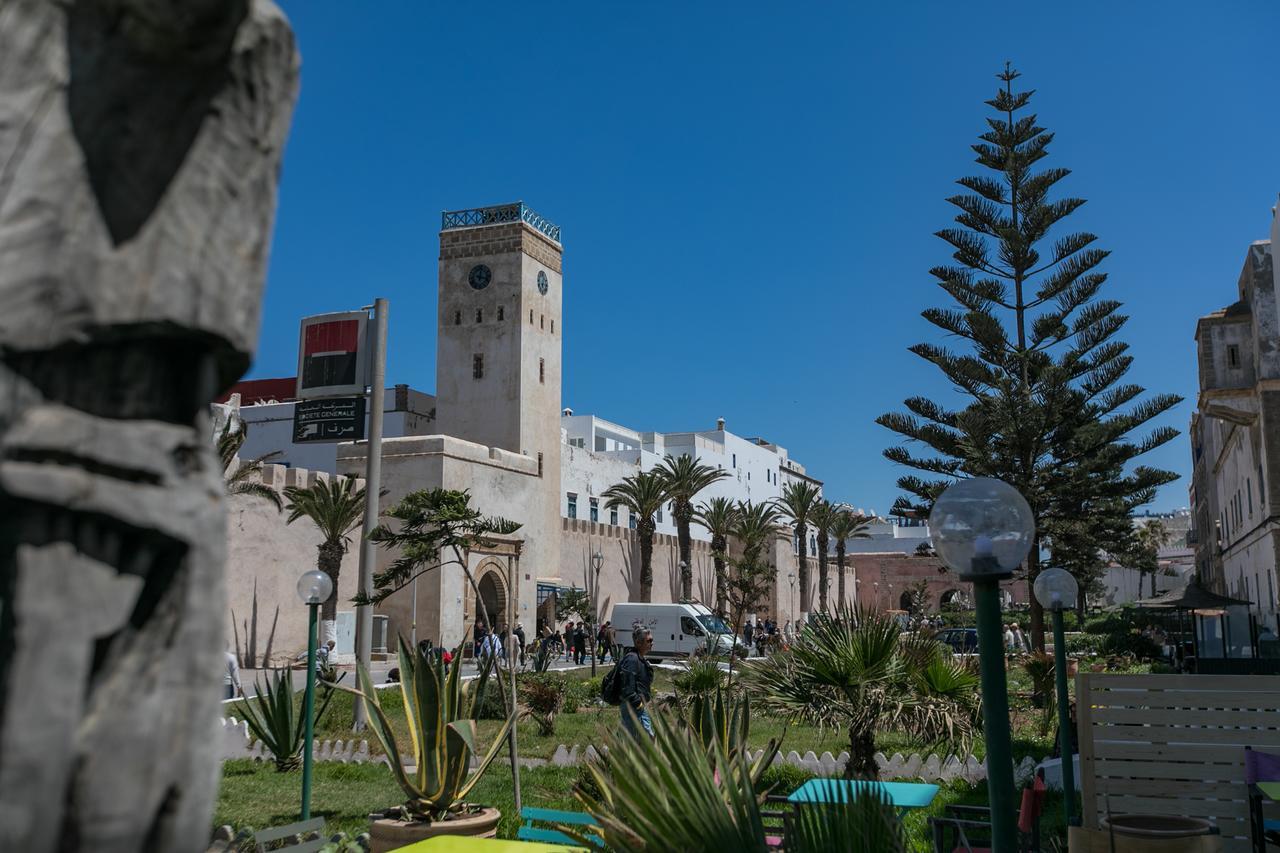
<point x="629" y="684"/>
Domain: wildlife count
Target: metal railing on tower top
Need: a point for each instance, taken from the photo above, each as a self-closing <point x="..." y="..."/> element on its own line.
<point x="499" y="214"/>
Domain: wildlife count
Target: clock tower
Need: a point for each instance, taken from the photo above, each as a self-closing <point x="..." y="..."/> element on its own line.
<point x="499" y="333"/>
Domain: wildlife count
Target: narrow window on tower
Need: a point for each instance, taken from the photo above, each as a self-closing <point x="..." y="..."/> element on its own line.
<point x="499" y="312"/>
<point x="479" y="315"/>
<point x="539" y="464"/>
<point x="1233" y="356"/>
<point x="613" y="516"/>
<point x="542" y="370"/>
<point x="595" y="509"/>
<point x="553" y="327"/>
<point x="457" y="318"/>
<point x="573" y="505"/>
<point x="530" y="316"/>
<point x="477" y="366"/>
<point x="542" y="321"/>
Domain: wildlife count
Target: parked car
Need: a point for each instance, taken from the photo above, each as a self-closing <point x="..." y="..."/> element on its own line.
<point x="963" y="641"/>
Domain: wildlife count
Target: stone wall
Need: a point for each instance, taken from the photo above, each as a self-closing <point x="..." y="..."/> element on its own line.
<point x="265" y="557"/>
<point x="884" y="577"/>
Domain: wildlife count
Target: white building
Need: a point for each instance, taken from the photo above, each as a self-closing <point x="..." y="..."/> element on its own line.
<point x="1234" y="433"/>
<point x="599" y="453"/>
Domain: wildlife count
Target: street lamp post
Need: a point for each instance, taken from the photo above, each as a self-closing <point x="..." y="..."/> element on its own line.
<point x="982" y="530"/>
<point x="791" y="601"/>
<point x="597" y="562"/>
<point x="313" y="588"/>
<point x="1056" y="589"/>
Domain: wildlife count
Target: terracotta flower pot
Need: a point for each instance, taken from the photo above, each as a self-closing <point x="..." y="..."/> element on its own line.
<point x="387" y="834"/>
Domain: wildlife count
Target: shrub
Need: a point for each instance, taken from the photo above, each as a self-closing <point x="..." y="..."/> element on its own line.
<point x="543" y="695"/>
<point x="577" y="694"/>
<point x="1131" y="643"/>
<point x="491" y="704"/>
<point x="782" y="779"/>
<point x="1084" y="645"/>
<point x="701" y="677"/>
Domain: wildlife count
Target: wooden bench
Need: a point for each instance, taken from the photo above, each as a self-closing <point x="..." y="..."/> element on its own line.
<point x="1174" y="745"/>
<point x="306" y="827"/>
<point x="529" y="832"/>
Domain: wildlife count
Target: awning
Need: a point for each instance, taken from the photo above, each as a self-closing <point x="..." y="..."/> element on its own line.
<point x="1191" y="597"/>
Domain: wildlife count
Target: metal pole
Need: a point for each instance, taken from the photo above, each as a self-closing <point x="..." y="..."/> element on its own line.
<point x="373" y="488"/>
<point x="995" y="716"/>
<point x="1064" y="719"/>
<point x="413" y="626"/>
<point x="511" y="669"/>
<point x="309" y="709"/>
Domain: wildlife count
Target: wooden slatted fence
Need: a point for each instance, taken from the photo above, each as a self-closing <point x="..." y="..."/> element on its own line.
<point x="1174" y="745"/>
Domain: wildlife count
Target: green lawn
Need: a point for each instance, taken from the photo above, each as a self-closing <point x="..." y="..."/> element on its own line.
<point x="255" y="795"/>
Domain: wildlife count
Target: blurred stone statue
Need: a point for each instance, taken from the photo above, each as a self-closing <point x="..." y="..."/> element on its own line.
<point x="140" y="145"/>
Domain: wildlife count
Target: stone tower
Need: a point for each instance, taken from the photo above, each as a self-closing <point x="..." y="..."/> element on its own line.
<point x="498" y="350"/>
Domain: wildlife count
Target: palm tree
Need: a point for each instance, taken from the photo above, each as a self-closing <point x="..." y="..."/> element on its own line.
<point x="718" y="516"/>
<point x="847" y="525"/>
<point x="755" y="527"/>
<point x="247" y="478"/>
<point x="861" y="673"/>
<point x="1151" y="537"/>
<point x="675" y="792"/>
<point x="797" y="503"/>
<point x="684" y="477"/>
<point x="335" y="506"/>
<point x="822" y="516"/>
<point x="643" y="494"/>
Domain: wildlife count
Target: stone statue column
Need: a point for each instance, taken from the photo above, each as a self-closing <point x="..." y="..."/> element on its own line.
<point x="140" y="146"/>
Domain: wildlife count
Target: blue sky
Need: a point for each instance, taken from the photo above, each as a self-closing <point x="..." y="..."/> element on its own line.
<point x="749" y="191"/>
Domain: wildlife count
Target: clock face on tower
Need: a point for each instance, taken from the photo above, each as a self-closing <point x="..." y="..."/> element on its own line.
<point x="542" y="282"/>
<point x="479" y="276"/>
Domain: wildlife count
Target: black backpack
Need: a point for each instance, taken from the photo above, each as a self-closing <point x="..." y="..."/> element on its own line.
<point x="611" y="686"/>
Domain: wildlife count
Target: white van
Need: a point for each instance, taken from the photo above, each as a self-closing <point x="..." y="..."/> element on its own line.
<point x="678" y="629"/>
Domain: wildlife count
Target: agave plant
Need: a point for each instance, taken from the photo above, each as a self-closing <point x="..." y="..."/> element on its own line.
<point x="275" y="719"/>
<point x="662" y="794"/>
<point x="441" y="715"/>
<point x="723" y="727"/>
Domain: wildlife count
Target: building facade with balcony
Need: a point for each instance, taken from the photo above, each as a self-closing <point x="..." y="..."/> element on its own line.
<point x="1235" y="437"/>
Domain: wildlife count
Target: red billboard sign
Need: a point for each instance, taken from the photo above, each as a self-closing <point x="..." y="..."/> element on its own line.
<point x="333" y="360"/>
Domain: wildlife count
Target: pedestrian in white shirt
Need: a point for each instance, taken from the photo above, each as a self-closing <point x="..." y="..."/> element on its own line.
<point x="231" y="678"/>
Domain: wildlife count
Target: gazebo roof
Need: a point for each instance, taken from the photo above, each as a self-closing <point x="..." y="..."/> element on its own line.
<point x="1191" y="597"/>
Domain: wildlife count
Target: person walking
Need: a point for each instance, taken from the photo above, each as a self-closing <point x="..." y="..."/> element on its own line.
<point x="637" y="683"/>
<point x="611" y="641"/>
<point x="579" y="643"/>
<point x="788" y="635"/>
<point x="1020" y="642"/>
<point x="568" y="642"/>
<point x="231" y="678"/>
<point x="520" y="638"/>
<point x="1008" y="639"/>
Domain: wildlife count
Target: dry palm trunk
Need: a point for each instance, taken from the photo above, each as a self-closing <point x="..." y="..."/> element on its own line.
<point x="140" y="146"/>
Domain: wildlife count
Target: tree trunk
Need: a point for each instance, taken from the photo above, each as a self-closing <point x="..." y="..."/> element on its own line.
<point x="862" y="756"/>
<point x="1037" y="612"/>
<point x="822" y="571"/>
<point x="718" y="546"/>
<point x="802" y="569"/>
<point x="645" y="529"/>
<point x="841" y="602"/>
<point x="330" y="562"/>
<point x="142" y="145"/>
<point x="683" y="513"/>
